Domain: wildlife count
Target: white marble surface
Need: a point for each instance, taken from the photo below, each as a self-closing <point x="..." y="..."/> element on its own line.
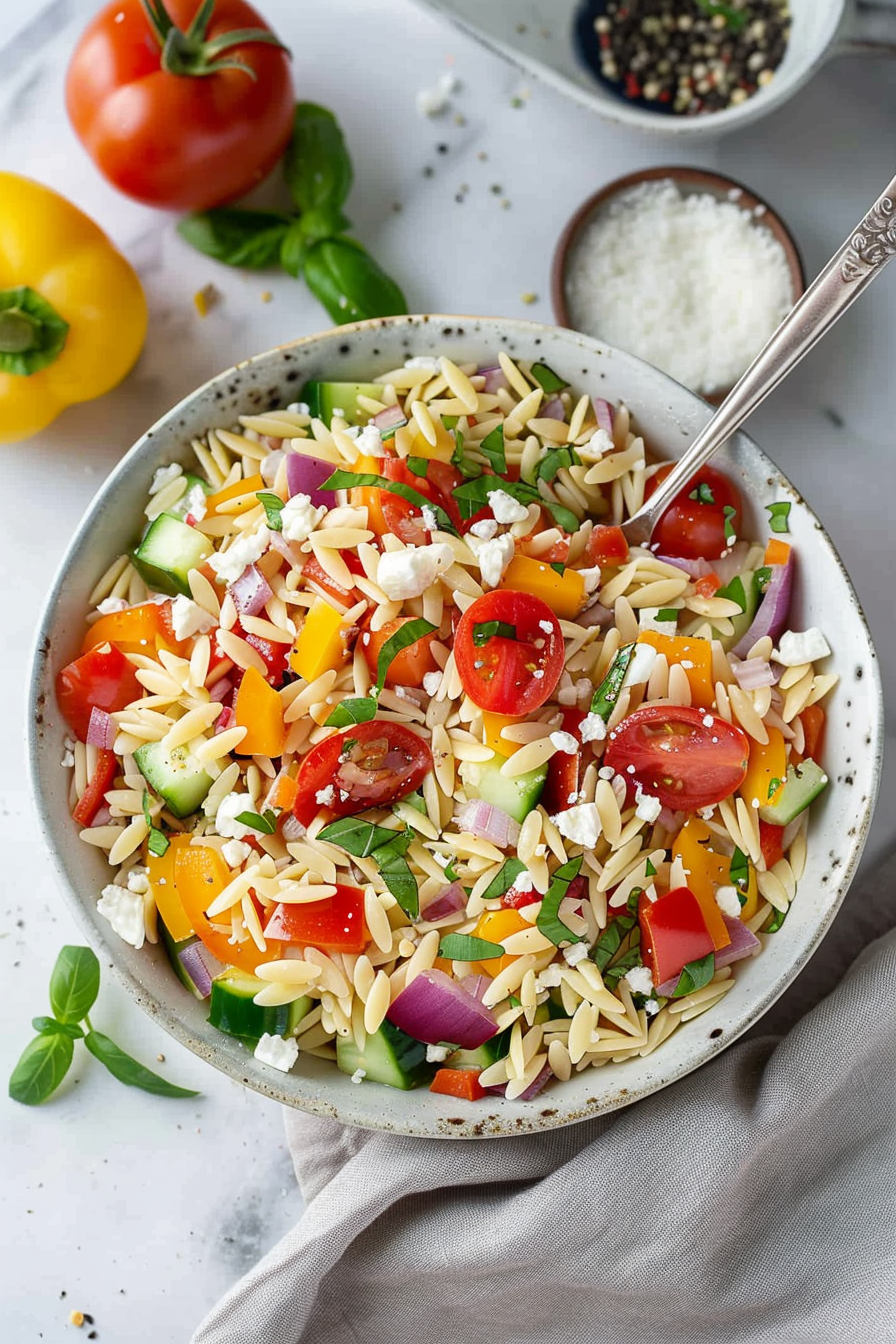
<point x="139" y="1210"/>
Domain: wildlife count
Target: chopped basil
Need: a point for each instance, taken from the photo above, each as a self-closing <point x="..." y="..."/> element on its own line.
<point x="418" y="465"/>
<point x="762" y="577"/>
<point x="158" y="840"/>
<point x="415" y="800"/>
<point x="612" y="938"/>
<point x="777" y="919"/>
<point x="450" y="421"/>
<point x="730" y="513"/>
<point x="547" y="379"/>
<point x="473" y="496"/>
<point x="607" y="693"/>
<point x="734" y="592"/>
<point x="451" y="872"/>
<point x="503" y="880"/>
<point x="703" y="494"/>
<point x="465" y="465"/>
<point x="695" y="975"/>
<point x="773" y="787"/>
<point x="483" y="631"/>
<point x="627" y="962"/>
<point x="557" y="566"/>
<point x="549" y="921"/>
<point x="650" y="871"/>
<point x="347" y="712"/>
<point x="667" y="614"/>
<point x="634" y="900"/>
<point x="464" y="947"/>
<point x="266" y="823"/>
<point x="555" y="460"/>
<point x="347" y="480"/>
<point x="739" y="872"/>
<point x="396" y="873"/>
<point x="273" y="507"/>
<point x="356" y="836"/>
<point x="778" y="516"/>
<point x="492" y="449"/>
<point x="404" y="636"/>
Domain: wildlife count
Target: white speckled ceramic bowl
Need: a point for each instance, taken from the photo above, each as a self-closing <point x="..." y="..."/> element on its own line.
<point x="669" y="416"/>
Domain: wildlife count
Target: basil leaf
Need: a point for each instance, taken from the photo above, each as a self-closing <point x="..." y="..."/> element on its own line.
<point x="483" y="631"/>
<point x="355" y="836"/>
<point x="777" y="919"/>
<point x="418" y="465"/>
<point x="604" y="699"/>
<point x="778" y="515"/>
<point x="273" y="508"/>
<point x="34" y="334"/>
<point x="503" y="879"/>
<point x="703" y="494"/>
<point x="316" y="164"/>
<point x="554" y="460"/>
<point x="763" y="577"/>
<point x="612" y="938"/>
<point x="74" y="984"/>
<point x="48" y="1026"/>
<point x="557" y="566"/>
<point x="324" y="222"/>
<point x="266" y="824"/>
<point x="627" y="962"/>
<point x="565" y="519"/>
<point x="773" y="786"/>
<point x="492" y="449"/>
<point x="416" y="801"/>
<point x="464" y="947"/>
<point x="158" y="842"/>
<point x="634" y="900"/>
<point x="473" y="494"/>
<point x="248" y="238"/>
<point x="667" y="614"/>
<point x="347" y="480"/>
<point x="548" y="921"/>
<point x="396" y="873"/>
<point x="739" y="871"/>
<point x="695" y="975"/>
<point x="649" y="871"/>
<point x="347" y="712"/>
<point x="127" y="1070"/>
<point x="733" y="592"/>
<point x="41" y="1068"/>
<point x="547" y="379"/>
<point x="293" y="249"/>
<point x="404" y="636"/>
<point x="451" y="874"/>
<point x="344" y="277"/>
<point x="465" y="465"/>
<point x="730" y="512"/>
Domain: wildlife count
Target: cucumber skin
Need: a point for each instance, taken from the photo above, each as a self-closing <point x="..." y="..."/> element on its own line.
<point x="517" y="797"/>
<point x="232" y="1011"/>
<point x="179" y="508"/>
<point x="165" y="580"/>
<point x="803" y="786"/>
<point x="398" y="1060"/>
<point x="323" y="397"/>
<point x="156" y="772"/>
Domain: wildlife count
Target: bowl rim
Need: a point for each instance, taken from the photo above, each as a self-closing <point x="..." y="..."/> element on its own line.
<point x="718" y="184"/>
<point x="511" y="1122"/>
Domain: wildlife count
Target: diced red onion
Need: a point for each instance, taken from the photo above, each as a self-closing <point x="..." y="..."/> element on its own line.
<point x="496" y="1089"/>
<point x="221" y="689"/>
<point x="669" y="820"/>
<point x="251" y="591"/>
<point x="743" y="944"/>
<point x="292" y="829"/>
<point x="754" y="673"/>
<point x="288" y="549"/>
<point x="270" y="465"/>
<point x="476" y="985"/>
<point x="495" y="378"/>
<point x="304" y="476"/>
<point x="103" y="816"/>
<point x="552" y="410"/>
<point x="200" y="966"/>
<point x="577" y="889"/>
<point x="596" y="614"/>
<point x="101" y="731"/>
<point x="771" y="618"/>
<point x="434" y="1008"/>
<point x="224" y="720"/>
<point x="697" y="569"/>
<point x="538" y="1082"/>
<point x="448" y="901"/>
<point x="488" y="822"/>
<point x="604" y="412"/>
<point x="390" y="418"/>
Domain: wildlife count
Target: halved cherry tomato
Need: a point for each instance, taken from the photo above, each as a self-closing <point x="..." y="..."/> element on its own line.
<point x="564" y="779"/>
<point x="102" y="679"/>
<point x="334" y="924"/>
<point x="387" y="512"/>
<point x="770" y="837"/>
<point x="316" y="577"/>
<point x="140" y="629"/>
<point x="673" y="933"/>
<point x="461" y="1083"/>
<point x="691" y="528"/>
<point x="367" y="765"/>
<point x="92" y="798"/>
<point x="510" y="676"/>
<point x="408" y="667"/>
<point x="686" y="757"/>
<point x="607" y="546"/>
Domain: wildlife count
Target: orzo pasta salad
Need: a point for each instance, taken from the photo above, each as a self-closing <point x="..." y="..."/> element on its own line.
<point x="413" y="764"/>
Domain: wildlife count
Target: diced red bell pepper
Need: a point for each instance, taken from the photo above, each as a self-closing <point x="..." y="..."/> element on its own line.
<point x="673" y="933"/>
<point x="708" y="585"/>
<point x="334" y="924"/>
<point x="92" y="798"/>
<point x="565" y="770"/>
<point x="461" y="1083"/>
<point x="813" y="719"/>
<point x="607" y="546"/>
<point x="770" y="842"/>
<point x="100" y="679"/>
<point x="274" y="655"/>
<point x="315" y="573"/>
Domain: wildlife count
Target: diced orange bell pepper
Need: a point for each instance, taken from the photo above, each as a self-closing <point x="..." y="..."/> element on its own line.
<point x="141" y="629"/>
<point x="320" y="644"/>
<point x="282" y="793"/>
<point x="494" y="926"/>
<point x="247" y="487"/>
<point x="200" y="875"/>
<point x="160" y="873"/>
<point x="369" y="497"/>
<point x="461" y="1083"/>
<point x="564" y="593"/>
<point x="694" y="655"/>
<point x="768" y="762"/>
<point x="492" y="725"/>
<point x="704" y="871"/>
<point x="259" y="710"/>
<point x="776" y="552"/>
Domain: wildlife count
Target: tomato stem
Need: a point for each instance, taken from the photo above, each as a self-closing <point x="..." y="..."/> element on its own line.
<point x="188" y="53"/>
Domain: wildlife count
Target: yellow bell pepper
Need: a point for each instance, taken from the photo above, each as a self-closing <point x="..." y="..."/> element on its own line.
<point x="492" y="725"/>
<point x="320" y="644"/>
<point x="73" y="316"/>
<point x="564" y="593"/>
<point x="705" y="871"/>
<point x="259" y="710"/>
<point x="494" y="926"/>
<point x="768" y="762"/>
<point x="160" y="874"/>
<point x="249" y="487"/>
<point x="694" y="655"/>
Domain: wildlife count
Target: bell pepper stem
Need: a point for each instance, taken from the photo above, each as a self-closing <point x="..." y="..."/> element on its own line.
<point x="18" y="332"/>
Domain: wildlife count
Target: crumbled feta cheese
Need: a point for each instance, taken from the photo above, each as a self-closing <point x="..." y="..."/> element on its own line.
<point x="641" y="665"/>
<point x="437" y="1054"/>
<point x="538" y="674"/>
<point x="431" y="682"/>
<point x="728" y="902"/>
<point x="523" y="882"/>
<point x="647" y="620"/>
<point x="325" y="796"/>
<point x="565" y="742"/>
<point x="299" y="408"/>
<point x="281" y="1052"/>
<point x="430" y="102"/>
<point x="359" y="1075"/>
<point x="580" y="824"/>
<point x="798" y="647"/>
<point x="593" y="729"/>
<point x="194" y="501"/>
<point x="485" y="529"/>
<point x="430" y="521"/>
<point x="442" y="860"/>
<point x="591" y="579"/>
<point x="573" y="955"/>
<point x="188" y="618"/>
<point x="428" y="363"/>
<point x="229" y="809"/>
<point x="606" y="772"/>
<point x="138" y="882"/>
<point x="235" y="853"/>
<point x="566" y="691"/>
<point x="550" y="978"/>
<point x="110" y="604"/>
<point x="647" y="808"/>
<point x="707" y="720"/>
<point x="369" y="441"/>
<point x="242" y="551"/>
<point x="640" y="980"/>
<point x="651" y="1007"/>
<point x="124" y="911"/>
<point x="300" y="517"/>
<point x="408" y="573"/>
<point x="493" y="557"/>
<point x="164" y="476"/>
<point x="599" y="443"/>
<point x="68" y="752"/>
<point x="505" y="508"/>
<point x="546" y="627"/>
<point x="705" y="813"/>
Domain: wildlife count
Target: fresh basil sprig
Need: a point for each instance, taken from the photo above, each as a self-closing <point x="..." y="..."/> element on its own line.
<point x="74" y="986"/>
<point x="273" y="508"/>
<point x="316" y="165"/>
<point x="549" y="922"/>
<point x="343" y="276"/>
<point x="250" y="239"/>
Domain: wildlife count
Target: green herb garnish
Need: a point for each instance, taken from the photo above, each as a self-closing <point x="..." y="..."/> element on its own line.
<point x="273" y="508"/>
<point x="404" y="636"/>
<point x="346" y="480"/>
<point x="358" y="709"/>
<point x="777" y="919"/>
<point x="703" y="494"/>
<point x="555" y="460"/>
<point x="492" y="449"/>
<point x="730" y="513"/>
<point x="779" y="515"/>
<point x="265" y="823"/>
<point x="773" y="786"/>
<point x="695" y="975"/>
<point x="739" y="872"/>
<point x="418" y="465"/>
<point x="473" y="496"/>
<point x="396" y="872"/>
<point x="607" y="693"/>
<point x="547" y="379"/>
<point x="611" y="940"/>
<point x="627" y="962"/>
<point x="464" y="947"/>
<point x="549" y="921"/>
<point x="357" y="837"/>
<point x="158" y="840"/>
<point x="503" y="879"/>
<point x="483" y="631"/>
<point x="763" y="577"/>
<point x="557" y="566"/>
<point x="649" y="871"/>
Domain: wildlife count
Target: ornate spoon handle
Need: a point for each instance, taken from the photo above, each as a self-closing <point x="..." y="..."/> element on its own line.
<point x="861" y="258"/>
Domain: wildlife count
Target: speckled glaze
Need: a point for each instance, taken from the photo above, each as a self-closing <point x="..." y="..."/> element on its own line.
<point x="668" y="416"/>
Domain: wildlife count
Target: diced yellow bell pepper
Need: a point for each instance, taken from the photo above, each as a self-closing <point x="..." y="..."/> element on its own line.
<point x="247" y="487"/>
<point x="705" y="871"/>
<point x="494" y="926"/>
<point x="160" y="874"/>
<point x="443" y="448"/>
<point x="492" y="724"/>
<point x="751" y="905"/>
<point x="564" y="593"/>
<point x="768" y="761"/>
<point x="259" y="710"/>
<point x="694" y="655"/>
<point x="320" y="644"/>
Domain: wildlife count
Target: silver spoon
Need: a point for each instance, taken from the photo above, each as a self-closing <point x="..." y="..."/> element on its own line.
<point x="861" y="258"/>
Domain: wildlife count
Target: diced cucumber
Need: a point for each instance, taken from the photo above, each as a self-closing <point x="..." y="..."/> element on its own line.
<point x="172" y="948"/>
<point x="517" y="797"/>
<point x="168" y="551"/>
<point x="389" y="1056"/>
<point x="232" y="1009"/>
<point x="181" y="507"/>
<point x="483" y="1056"/>
<point x="803" y="784"/>
<point x="176" y="776"/>
<point x="744" y="590"/>
<point x="325" y="399"/>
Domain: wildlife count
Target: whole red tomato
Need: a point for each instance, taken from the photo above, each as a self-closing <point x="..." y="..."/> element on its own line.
<point x="693" y="526"/>
<point x="170" y="112"/>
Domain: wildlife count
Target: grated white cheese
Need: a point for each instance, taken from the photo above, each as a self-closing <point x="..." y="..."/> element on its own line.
<point x="728" y="902"/>
<point x="690" y="283"/>
<point x="410" y="572"/>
